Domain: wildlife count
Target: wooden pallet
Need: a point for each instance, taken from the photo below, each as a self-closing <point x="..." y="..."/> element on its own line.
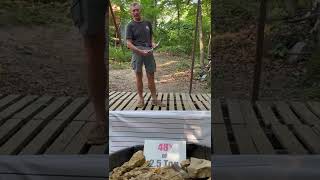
<point x="240" y="127"/>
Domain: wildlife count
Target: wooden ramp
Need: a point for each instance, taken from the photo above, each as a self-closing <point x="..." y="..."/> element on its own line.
<point x="35" y="124"/>
<point x="240" y="127"/>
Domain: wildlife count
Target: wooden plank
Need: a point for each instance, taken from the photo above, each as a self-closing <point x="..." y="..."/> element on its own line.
<point x="235" y="114"/>
<point x="21" y="138"/>
<point x="31" y="109"/>
<point x="165" y="101"/>
<point x="205" y="97"/>
<point x="268" y="117"/>
<point x="171" y="102"/>
<point x="59" y="145"/>
<point x="114" y="95"/>
<point x="119" y="101"/>
<point x="315" y="107"/>
<point x="116" y="98"/>
<point x="309" y="137"/>
<point x="134" y="102"/>
<point x="187" y="100"/>
<point x="304" y="113"/>
<point x="126" y="102"/>
<point x="217" y="112"/>
<point x="99" y="149"/>
<point x="261" y="140"/>
<point x="220" y="139"/>
<point x="244" y="140"/>
<point x="9" y="128"/>
<point x="146" y="100"/>
<point x="288" y="140"/>
<point x="85" y="113"/>
<point x="178" y="102"/>
<point x="72" y="109"/>
<point x="198" y="103"/>
<point x="11" y="110"/>
<point x="286" y="113"/>
<point x="55" y="107"/>
<point x="79" y="140"/>
<point x="4" y="102"/>
<point x="248" y="113"/>
<point x="204" y="101"/>
<point x="45" y="137"/>
<point x="148" y="105"/>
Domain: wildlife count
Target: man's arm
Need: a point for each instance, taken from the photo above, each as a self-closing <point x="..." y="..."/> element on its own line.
<point x="135" y="49"/>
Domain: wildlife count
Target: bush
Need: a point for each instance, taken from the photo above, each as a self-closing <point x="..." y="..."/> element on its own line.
<point x="119" y="54"/>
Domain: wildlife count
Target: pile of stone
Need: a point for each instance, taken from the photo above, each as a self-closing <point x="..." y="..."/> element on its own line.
<point x="137" y="168"/>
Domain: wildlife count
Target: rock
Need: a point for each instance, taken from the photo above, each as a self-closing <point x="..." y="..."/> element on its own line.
<point x="199" y="168"/>
<point x="136" y="160"/>
<point x="185" y="163"/>
<point x="294" y="52"/>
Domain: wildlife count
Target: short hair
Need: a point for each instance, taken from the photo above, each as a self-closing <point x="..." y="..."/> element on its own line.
<point x="135" y="4"/>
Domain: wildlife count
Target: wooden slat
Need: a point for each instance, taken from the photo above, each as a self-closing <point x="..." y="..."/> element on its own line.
<point x="204" y="101"/>
<point x="165" y="101"/>
<point x="44" y="138"/>
<point x="315" y="108"/>
<point x="146" y="100"/>
<point x="79" y="140"/>
<point x="4" y="102"/>
<point x="133" y="104"/>
<point x="286" y="113"/>
<point x="248" y="113"/>
<point x="72" y="109"/>
<point x="198" y="103"/>
<point x="21" y="138"/>
<point x="59" y="145"/>
<point x="243" y="139"/>
<point x="116" y="98"/>
<point x="114" y="95"/>
<point x="235" y="112"/>
<point x="304" y="113"/>
<point x="220" y="139"/>
<point x="119" y="101"/>
<point x="288" y="140"/>
<point x="11" y="110"/>
<point x="178" y="102"/>
<point x="187" y="102"/>
<point x="9" y="128"/>
<point x="148" y="105"/>
<point x="171" y="102"/>
<point x="85" y="113"/>
<point x="268" y="117"/>
<point x="31" y="109"/>
<point x="126" y="102"/>
<point x="217" y="112"/>
<point x="309" y="137"/>
<point x="51" y="110"/>
<point x="99" y="149"/>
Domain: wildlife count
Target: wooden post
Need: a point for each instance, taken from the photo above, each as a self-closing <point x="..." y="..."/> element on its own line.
<point x="194" y="46"/>
<point x="259" y="50"/>
<point x="115" y="22"/>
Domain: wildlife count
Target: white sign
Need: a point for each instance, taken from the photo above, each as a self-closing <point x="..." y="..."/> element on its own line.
<point x="164" y="152"/>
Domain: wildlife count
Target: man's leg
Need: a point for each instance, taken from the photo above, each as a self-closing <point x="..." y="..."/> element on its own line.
<point x="94" y="48"/>
<point x="139" y="84"/>
<point x="152" y="87"/>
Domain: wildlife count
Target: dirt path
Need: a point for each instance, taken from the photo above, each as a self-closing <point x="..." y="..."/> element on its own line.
<point x="43" y="60"/>
<point x="167" y="77"/>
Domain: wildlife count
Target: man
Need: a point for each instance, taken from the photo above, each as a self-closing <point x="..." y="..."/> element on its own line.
<point x="139" y="40"/>
<point x="89" y="17"/>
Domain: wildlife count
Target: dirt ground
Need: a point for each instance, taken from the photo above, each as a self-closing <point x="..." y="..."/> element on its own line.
<point x="42" y="60"/>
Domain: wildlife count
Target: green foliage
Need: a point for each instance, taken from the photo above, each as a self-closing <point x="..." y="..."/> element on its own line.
<point x="119" y="54"/>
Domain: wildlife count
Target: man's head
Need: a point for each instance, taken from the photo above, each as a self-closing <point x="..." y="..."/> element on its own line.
<point x="135" y="11"/>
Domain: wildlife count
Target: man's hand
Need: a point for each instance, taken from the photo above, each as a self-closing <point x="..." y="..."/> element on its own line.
<point x="145" y="52"/>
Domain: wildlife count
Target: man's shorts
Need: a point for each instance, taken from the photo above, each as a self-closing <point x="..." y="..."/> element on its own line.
<point x="138" y="61"/>
<point x="89" y="15"/>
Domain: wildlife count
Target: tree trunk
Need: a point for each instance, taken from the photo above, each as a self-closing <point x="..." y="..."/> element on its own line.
<point x="201" y="38"/>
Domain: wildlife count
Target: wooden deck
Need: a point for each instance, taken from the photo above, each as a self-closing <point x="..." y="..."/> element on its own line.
<point x="58" y="125"/>
<point x="240" y="127"/>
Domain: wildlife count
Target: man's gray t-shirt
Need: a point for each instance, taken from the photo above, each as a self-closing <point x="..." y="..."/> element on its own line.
<point x="140" y="33"/>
